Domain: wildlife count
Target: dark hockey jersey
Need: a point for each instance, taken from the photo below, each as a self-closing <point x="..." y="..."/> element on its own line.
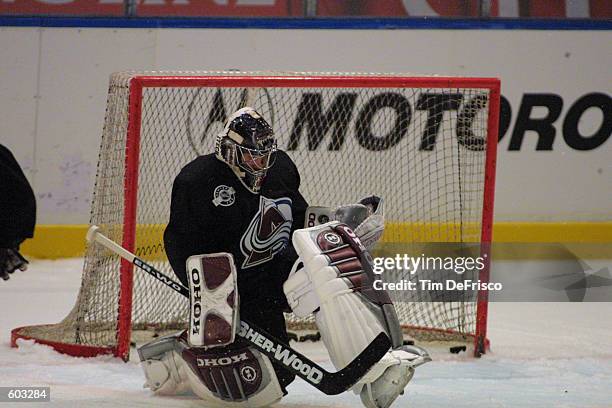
<point x="211" y="211"/>
<point x="17" y="202"/>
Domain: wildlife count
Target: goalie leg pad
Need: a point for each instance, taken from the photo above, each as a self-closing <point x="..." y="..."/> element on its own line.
<point x="299" y="292"/>
<point x="213" y="318"/>
<point x="336" y="283"/>
<point x="241" y="377"/>
<point x="350" y="313"/>
<point x="232" y="378"/>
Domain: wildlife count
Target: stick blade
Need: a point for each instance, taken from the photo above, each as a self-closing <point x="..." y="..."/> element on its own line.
<point x="340" y="381"/>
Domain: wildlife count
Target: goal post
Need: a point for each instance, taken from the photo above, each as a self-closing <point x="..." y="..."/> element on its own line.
<point x="425" y="144"/>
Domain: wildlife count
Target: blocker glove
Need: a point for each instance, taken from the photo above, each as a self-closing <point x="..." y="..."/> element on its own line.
<point x="10" y="261"/>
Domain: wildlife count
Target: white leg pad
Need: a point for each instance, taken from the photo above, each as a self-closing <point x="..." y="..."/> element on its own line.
<point x="244" y="377"/>
<point x="335" y="283"/>
<point x="268" y="394"/>
<point x="346" y="322"/>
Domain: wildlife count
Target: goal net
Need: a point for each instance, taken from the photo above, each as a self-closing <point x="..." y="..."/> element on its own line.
<point x="425" y="144"/>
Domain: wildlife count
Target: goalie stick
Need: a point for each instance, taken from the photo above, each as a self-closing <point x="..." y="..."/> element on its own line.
<point x="330" y="383"/>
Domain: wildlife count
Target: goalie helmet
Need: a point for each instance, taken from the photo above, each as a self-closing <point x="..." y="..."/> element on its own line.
<point x="247" y="145"/>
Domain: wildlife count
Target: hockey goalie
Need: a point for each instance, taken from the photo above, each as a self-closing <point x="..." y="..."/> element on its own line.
<point x="236" y="239"/>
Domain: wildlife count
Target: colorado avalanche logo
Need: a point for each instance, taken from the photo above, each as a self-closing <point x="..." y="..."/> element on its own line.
<point x="268" y="232"/>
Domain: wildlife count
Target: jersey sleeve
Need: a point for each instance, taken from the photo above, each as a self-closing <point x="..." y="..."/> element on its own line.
<point x="190" y="219"/>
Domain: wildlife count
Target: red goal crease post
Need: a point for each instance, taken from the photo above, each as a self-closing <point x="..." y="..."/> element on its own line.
<point x="426" y="144"/>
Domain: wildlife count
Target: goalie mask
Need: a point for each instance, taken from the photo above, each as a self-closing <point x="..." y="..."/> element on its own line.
<point x="247" y="145"/>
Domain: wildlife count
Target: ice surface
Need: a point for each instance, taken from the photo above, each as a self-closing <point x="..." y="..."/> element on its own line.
<point x="544" y="355"/>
